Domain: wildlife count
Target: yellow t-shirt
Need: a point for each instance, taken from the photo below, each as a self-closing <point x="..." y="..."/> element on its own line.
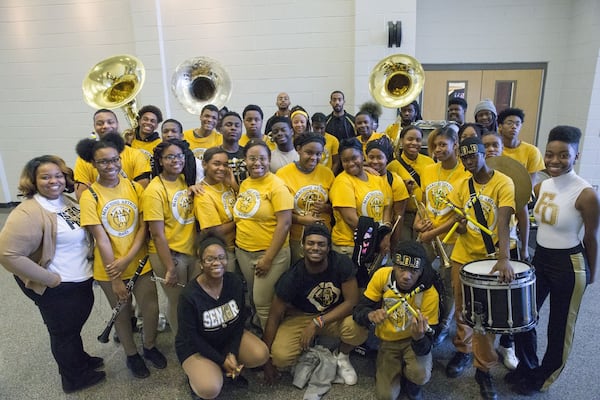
<point x="399" y="191"/>
<point x="147" y="148"/>
<point x="498" y="192"/>
<point x="307" y="188"/>
<point x="393" y="130"/>
<point x="245" y="139"/>
<point x="332" y="145"/>
<point x="368" y="198"/>
<point x="169" y="202"/>
<point x="133" y="164"/>
<point x="397" y="325"/>
<point x="374" y="136"/>
<point x="528" y="155"/>
<point x="418" y="165"/>
<point x="437" y="183"/>
<point x="118" y="211"/>
<point x="255" y="208"/>
<point x="199" y="145"/>
<point x="215" y="207"/>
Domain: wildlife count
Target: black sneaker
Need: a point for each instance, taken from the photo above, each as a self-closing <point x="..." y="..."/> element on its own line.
<point x="88" y="378"/>
<point x="155" y="357"/>
<point x="137" y="366"/>
<point x="458" y="364"/>
<point x="486" y="385"/>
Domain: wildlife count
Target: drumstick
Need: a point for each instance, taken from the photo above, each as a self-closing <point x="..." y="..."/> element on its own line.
<point x="403" y="300"/>
<point x="398" y="304"/>
<point x="467" y="216"/>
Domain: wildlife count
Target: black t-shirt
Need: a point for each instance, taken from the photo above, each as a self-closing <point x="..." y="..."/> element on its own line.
<point x="341" y="127"/>
<point x="209" y="326"/>
<point x="315" y="294"/>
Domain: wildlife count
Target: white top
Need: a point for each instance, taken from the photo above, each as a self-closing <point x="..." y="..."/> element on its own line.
<point x="559" y="222"/>
<point x="70" y="258"/>
<point x="280" y="159"/>
<point x="199" y="170"/>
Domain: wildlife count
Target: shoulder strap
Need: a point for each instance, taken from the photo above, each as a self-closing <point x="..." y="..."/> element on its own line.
<point x="390" y="177"/>
<point x="487" y="239"/>
<point x="414" y="174"/>
<point x="93" y="192"/>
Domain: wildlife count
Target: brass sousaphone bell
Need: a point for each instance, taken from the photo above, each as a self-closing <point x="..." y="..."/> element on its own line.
<point x="114" y="82"/>
<point x="199" y="81"/>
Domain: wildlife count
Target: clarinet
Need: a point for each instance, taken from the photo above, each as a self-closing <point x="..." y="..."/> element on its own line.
<point x="103" y="338"/>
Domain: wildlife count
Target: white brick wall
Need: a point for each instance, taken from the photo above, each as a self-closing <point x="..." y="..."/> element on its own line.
<point x="307" y="48"/>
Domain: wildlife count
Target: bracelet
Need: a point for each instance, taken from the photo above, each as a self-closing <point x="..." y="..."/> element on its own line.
<point x="318" y="321"/>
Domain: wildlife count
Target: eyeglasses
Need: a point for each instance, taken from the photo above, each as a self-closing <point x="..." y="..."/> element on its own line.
<point x="512" y="123"/>
<point x="259" y="158"/>
<point x="107" y="162"/>
<point x="211" y="260"/>
<point x="172" y="157"/>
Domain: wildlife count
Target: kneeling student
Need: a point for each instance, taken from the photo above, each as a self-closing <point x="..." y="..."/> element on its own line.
<point x="405" y="349"/>
<point x="314" y="297"/>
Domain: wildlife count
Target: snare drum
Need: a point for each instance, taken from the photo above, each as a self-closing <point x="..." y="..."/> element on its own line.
<point x="493" y="306"/>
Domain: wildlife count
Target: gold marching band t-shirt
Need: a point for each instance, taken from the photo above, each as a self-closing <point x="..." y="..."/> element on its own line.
<point x="215" y="207"/>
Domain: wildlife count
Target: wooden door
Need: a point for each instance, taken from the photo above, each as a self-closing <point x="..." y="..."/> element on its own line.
<point x="518" y="86"/>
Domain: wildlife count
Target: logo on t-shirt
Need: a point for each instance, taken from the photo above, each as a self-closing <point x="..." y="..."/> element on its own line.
<point x="228" y="201"/>
<point x="324" y="295"/>
<point x="181" y="207"/>
<point x="307" y="196"/>
<point x="400" y="317"/>
<point x="436" y="194"/>
<point x="119" y="217"/>
<point x="247" y="204"/>
<point x="221" y="316"/>
<point x="372" y="205"/>
<point x="488" y="205"/>
<point x="199" y="153"/>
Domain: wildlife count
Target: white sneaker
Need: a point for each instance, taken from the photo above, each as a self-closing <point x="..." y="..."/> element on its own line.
<point x="345" y="369"/>
<point x="509" y="358"/>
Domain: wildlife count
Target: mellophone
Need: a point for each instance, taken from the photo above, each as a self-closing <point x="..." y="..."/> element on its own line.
<point x="493" y="306"/>
<point x="103" y="338"/>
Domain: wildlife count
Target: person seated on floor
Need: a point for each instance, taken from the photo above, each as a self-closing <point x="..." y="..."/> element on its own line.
<point x="406" y="340"/>
<point x="211" y="340"/>
<point x="314" y="297"/>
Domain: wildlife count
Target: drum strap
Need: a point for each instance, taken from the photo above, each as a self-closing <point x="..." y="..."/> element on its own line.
<point x="487" y="239"/>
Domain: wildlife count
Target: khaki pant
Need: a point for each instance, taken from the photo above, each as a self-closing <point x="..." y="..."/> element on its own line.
<point x="262" y="289"/>
<point x="395" y="359"/>
<point x="187" y="269"/>
<point x="446" y="275"/>
<point x="286" y="347"/>
<point x="466" y="340"/>
<point x="146" y="297"/>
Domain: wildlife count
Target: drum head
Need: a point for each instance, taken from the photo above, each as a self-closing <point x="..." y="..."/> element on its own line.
<point x="483" y="267"/>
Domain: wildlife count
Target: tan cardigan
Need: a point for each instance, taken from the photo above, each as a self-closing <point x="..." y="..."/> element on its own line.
<point x="28" y="243"/>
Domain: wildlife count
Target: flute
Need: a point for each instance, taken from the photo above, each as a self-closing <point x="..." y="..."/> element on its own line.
<point x="437" y="244"/>
<point x="103" y="338"/>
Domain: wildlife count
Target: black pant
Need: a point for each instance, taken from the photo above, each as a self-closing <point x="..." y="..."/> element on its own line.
<point x="65" y="309"/>
<point x="563" y="275"/>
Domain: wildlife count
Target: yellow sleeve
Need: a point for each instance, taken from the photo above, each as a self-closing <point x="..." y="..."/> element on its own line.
<point x="342" y="192"/>
<point x="153" y="202"/>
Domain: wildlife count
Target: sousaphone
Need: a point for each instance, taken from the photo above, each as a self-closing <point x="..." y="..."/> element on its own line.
<point x="199" y="81"/>
<point x="114" y="83"/>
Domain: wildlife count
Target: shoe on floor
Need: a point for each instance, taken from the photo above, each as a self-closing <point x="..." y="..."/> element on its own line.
<point x="88" y="378"/>
<point x="345" y="370"/>
<point x="515" y="377"/>
<point x="526" y="388"/>
<point x="155" y="357"/>
<point x="486" y="385"/>
<point x="137" y="366"/>
<point x="509" y="359"/>
<point x="458" y="364"/>
<point x="95" y="362"/>
<point x="240" y="382"/>
<point x="413" y="391"/>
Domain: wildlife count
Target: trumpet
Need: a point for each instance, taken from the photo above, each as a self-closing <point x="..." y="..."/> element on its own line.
<point x="437" y="244"/>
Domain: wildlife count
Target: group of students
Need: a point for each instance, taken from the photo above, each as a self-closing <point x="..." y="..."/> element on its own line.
<point x="285" y="236"/>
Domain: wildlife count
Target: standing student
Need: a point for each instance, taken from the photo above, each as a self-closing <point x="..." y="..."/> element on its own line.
<point x="409" y="165"/>
<point x="146" y="136"/>
<point x="263" y="216"/>
<point x="206" y="136"/>
<point x="283" y="136"/>
<point x="111" y="211"/>
<point x="167" y="208"/>
<point x="486" y="115"/>
<point x="309" y="182"/>
<point x="564" y="263"/>
<point x="491" y="195"/>
<point x="339" y="123"/>
<point x="330" y="157"/>
<point x="44" y="245"/>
